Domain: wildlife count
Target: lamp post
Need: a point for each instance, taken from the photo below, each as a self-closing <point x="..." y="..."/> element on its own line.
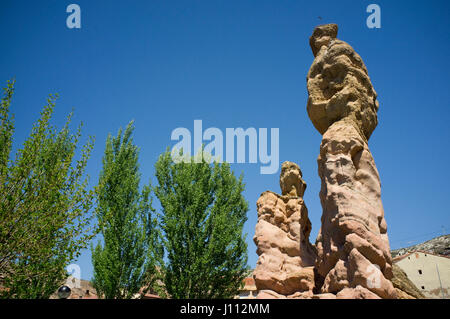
<point x="64" y="292"/>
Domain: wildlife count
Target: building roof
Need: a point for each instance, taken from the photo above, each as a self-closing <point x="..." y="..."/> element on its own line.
<point x="438" y="245"/>
<point x="398" y="258"/>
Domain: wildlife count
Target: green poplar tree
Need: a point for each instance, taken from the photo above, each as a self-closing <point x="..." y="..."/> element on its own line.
<point x="202" y="219"/>
<point x="126" y="261"/>
<point x="45" y="218"/>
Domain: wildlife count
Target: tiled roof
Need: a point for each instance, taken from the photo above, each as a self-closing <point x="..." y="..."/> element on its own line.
<point x="398" y="258"/>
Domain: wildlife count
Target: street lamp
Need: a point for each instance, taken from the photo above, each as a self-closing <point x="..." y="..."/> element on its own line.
<point x="64" y="292"/>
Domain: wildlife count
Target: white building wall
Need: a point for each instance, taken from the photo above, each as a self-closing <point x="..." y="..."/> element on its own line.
<point x="425" y="270"/>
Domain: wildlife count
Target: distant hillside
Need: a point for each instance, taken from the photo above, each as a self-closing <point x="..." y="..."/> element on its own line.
<point x="439" y="245"/>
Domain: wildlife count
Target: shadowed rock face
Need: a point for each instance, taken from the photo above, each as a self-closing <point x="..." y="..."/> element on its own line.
<point x="286" y="257"/>
<point x="354" y="259"/>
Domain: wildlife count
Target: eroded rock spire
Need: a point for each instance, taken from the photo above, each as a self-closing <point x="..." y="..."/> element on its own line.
<point x="286" y="257"/>
<point x="351" y="258"/>
<point x="354" y="259"/>
<point x="339" y="86"/>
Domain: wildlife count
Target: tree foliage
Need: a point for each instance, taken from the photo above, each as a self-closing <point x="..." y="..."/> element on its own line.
<point x="202" y="219"/>
<point x="126" y="261"/>
<point x="45" y="217"/>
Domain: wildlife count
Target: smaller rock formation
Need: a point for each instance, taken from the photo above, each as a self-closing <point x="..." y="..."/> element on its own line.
<point x="291" y="182"/>
<point x="286" y="257"/>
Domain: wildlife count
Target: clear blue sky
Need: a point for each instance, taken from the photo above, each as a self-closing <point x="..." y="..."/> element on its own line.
<point x="241" y="64"/>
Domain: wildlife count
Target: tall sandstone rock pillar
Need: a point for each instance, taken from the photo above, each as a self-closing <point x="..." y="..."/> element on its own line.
<point x="285" y="268"/>
<point x="354" y="259"/>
